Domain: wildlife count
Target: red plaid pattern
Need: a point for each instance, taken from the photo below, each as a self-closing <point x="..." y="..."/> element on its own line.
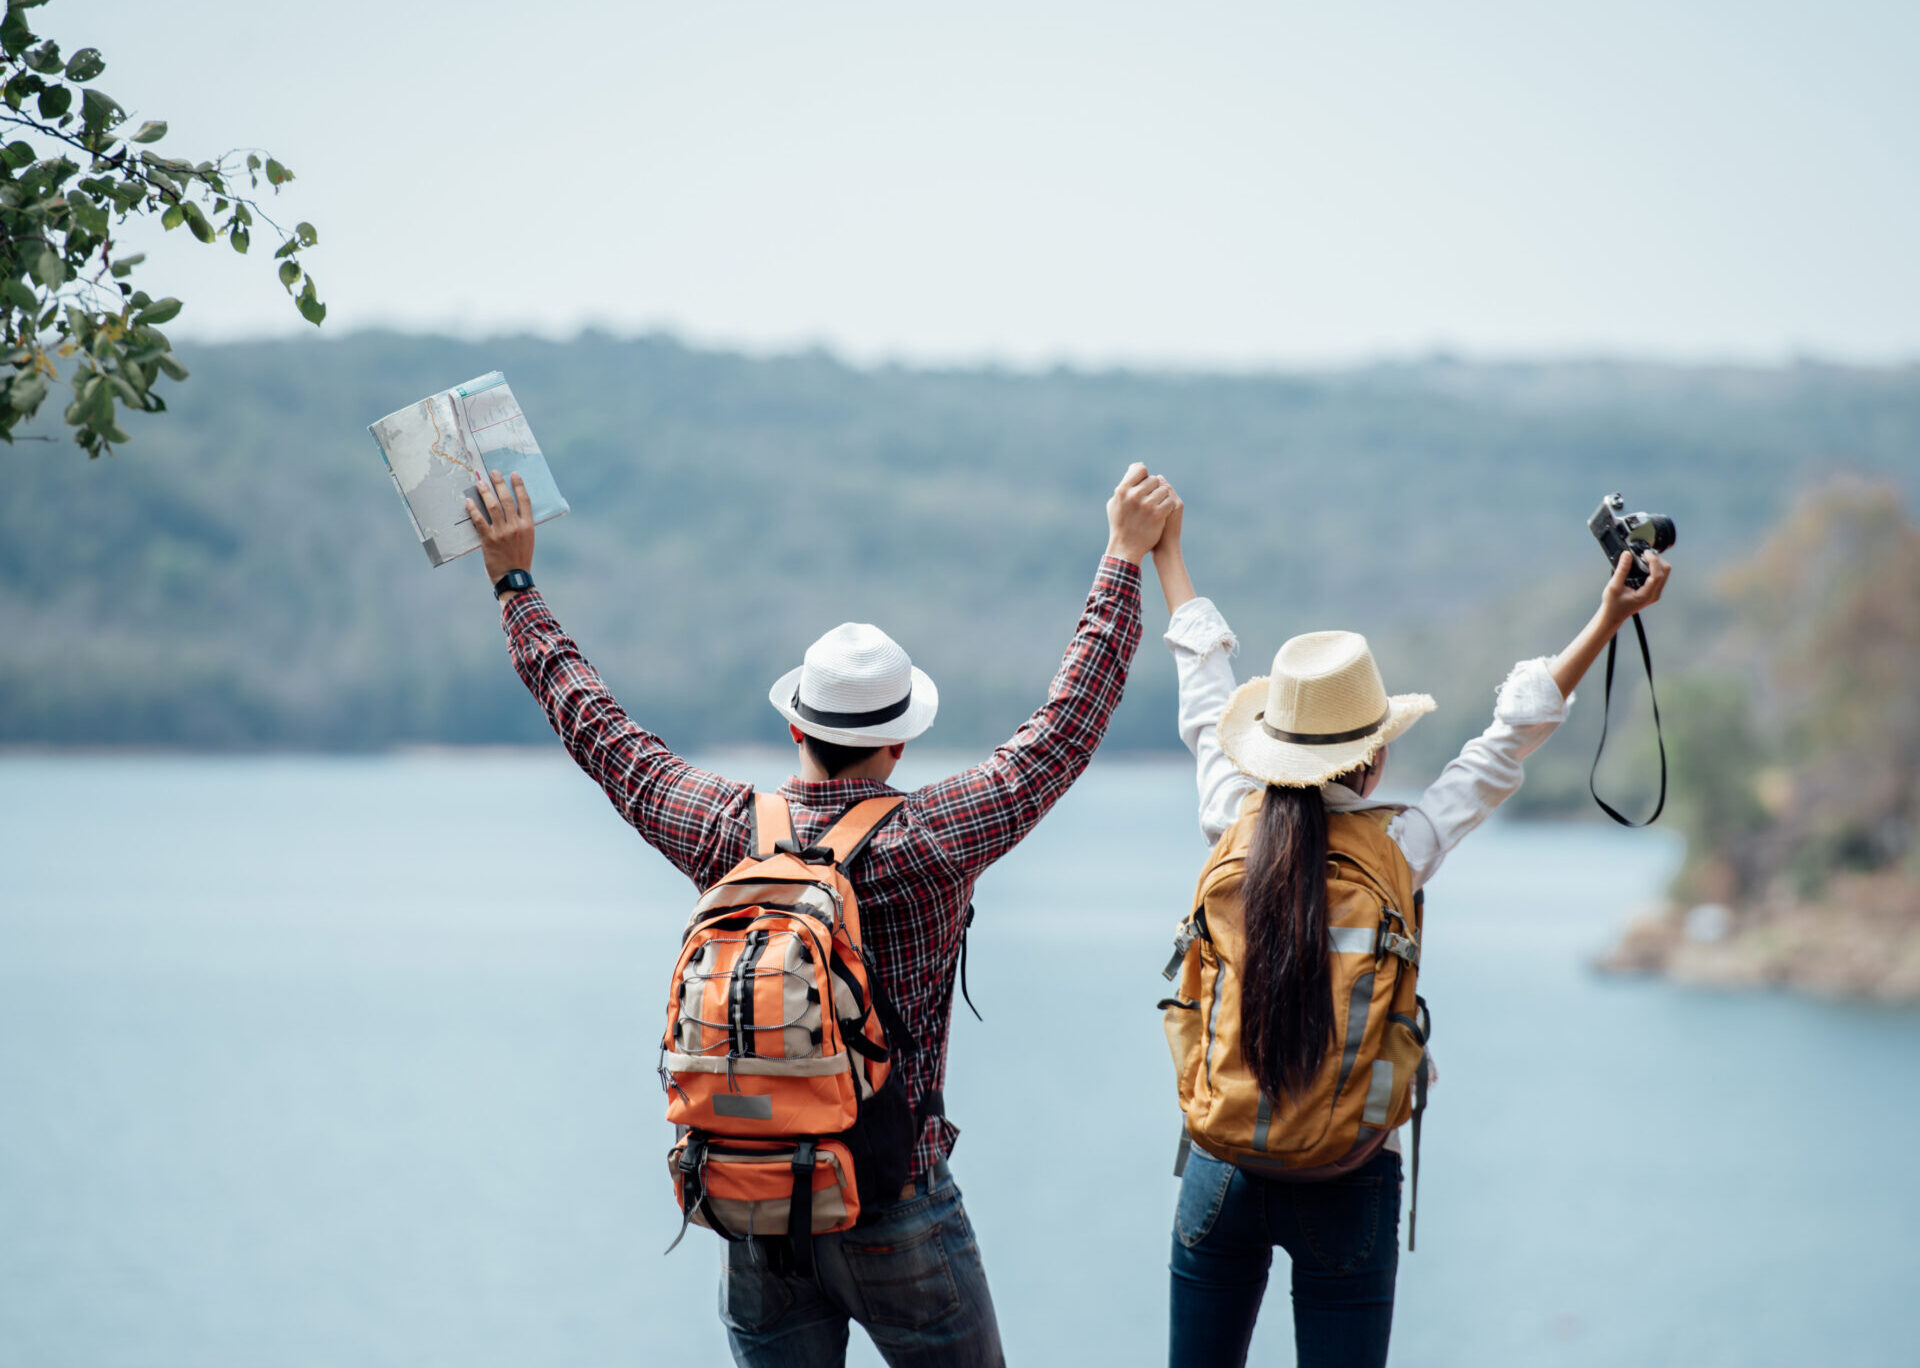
<point x="916" y="879"/>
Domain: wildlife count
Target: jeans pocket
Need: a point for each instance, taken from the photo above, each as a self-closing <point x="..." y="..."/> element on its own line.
<point x="1203" y="1191"/>
<point x="1340" y="1220"/>
<point x="752" y="1296"/>
<point x="905" y="1282"/>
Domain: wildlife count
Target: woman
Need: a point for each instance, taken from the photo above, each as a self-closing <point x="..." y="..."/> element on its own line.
<point x="1311" y="742"/>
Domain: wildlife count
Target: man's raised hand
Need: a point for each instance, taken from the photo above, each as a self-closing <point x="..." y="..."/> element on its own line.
<point x="1137" y="513"/>
<point x="506" y="528"/>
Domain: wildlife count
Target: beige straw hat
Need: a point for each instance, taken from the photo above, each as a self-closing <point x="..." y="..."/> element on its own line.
<point x="1322" y="712"/>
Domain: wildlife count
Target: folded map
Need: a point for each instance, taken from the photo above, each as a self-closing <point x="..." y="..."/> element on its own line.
<point x="439" y="450"/>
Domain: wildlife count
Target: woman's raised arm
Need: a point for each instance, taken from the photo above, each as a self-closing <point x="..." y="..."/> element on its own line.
<point x="1618" y="603"/>
<point x="1202" y="646"/>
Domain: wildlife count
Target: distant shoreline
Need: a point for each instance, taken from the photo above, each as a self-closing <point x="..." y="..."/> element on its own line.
<point x="1860" y="942"/>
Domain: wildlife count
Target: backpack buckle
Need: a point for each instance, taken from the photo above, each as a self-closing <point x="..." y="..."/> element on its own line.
<point x="1386" y="941"/>
<point x="1181" y="943"/>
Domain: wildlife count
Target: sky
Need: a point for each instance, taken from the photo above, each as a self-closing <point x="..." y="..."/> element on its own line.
<point x="1194" y="185"/>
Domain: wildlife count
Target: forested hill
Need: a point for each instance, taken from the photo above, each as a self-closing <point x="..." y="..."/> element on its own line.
<point x="243" y="573"/>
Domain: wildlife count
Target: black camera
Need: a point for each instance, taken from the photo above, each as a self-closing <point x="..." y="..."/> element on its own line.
<point x="1617" y="530"/>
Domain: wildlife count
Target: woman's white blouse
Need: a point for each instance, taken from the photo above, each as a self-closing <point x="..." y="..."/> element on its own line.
<point x="1483" y="776"/>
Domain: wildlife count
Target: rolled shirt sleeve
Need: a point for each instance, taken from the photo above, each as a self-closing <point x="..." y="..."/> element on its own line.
<point x="1487" y="771"/>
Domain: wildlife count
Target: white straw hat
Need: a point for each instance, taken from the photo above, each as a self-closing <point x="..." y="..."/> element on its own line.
<point x="856" y="687"/>
<point x="1322" y="712"/>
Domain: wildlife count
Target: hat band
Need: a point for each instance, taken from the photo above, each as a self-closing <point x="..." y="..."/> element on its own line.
<point x="1322" y="738"/>
<point x="820" y="717"/>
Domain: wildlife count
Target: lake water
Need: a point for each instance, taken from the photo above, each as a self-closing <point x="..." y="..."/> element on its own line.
<point x="314" y="1062"/>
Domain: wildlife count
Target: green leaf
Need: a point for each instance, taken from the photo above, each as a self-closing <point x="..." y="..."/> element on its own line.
<point x="99" y="110"/>
<point x="309" y="304"/>
<point x="289" y="272"/>
<point x="127" y="263"/>
<point x="242" y="214"/>
<point x="88" y="214"/>
<point x="160" y="311"/>
<point x="44" y="58"/>
<point x="20" y="295"/>
<point x="253" y="162"/>
<point x="85" y="64"/>
<point x="55" y="101"/>
<point x="26" y="392"/>
<point x="240" y="238"/>
<point x="174" y="217"/>
<point x="153" y="130"/>
<point x="197" y="222"/>
<point x="50" y="269"/>
<point x="287" y="248"/>
<point x="276" y="173"/>
<point x="17" y="154"/>
<point x="14" y="32"/>
<point x="307" y="233"/>
<point x="169" y="367"/>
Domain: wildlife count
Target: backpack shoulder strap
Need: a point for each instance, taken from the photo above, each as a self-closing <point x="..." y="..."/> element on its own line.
<point x="771" y="821"/>
<point x="848" y="836"/>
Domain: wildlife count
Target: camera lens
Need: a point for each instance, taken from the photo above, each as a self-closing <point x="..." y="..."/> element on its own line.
<point x="1663" y="533"/>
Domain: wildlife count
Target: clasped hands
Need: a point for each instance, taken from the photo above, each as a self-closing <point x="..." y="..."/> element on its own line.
<point x="1142" y="512"/>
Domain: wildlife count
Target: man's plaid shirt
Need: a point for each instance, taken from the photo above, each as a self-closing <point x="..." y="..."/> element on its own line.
<point x="916" y="880"/>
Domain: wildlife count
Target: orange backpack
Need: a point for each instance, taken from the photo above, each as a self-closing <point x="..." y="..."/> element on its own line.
<point x="1374" y="1077"/>
<point x="775" y="1060"/>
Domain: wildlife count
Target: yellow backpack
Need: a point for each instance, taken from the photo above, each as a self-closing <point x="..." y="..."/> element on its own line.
<point x="1374" y="1077"/>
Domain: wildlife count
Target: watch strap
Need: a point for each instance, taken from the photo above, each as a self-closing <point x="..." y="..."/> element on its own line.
<point x="512" y="582"/>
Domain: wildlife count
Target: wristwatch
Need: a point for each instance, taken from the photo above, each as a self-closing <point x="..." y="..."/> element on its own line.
<point x="512" y="582"/>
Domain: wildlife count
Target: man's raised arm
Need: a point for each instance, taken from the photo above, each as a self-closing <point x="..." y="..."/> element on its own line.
<point x="981" y="813"/>
<point x="692" y="817"/>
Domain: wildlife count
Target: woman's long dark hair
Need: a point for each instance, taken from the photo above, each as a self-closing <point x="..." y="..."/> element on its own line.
<point x="1286" y="991"/>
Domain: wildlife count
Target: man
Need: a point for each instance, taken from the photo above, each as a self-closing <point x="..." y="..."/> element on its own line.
<point x="911" y="1274"/>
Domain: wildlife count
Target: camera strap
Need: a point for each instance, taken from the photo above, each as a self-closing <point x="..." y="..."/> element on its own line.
<point x="1646" y="658"/>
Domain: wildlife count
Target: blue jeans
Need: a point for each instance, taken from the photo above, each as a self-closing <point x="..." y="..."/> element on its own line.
<point x="1343" y="1236"/>
<point x="913" y="1279"/>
